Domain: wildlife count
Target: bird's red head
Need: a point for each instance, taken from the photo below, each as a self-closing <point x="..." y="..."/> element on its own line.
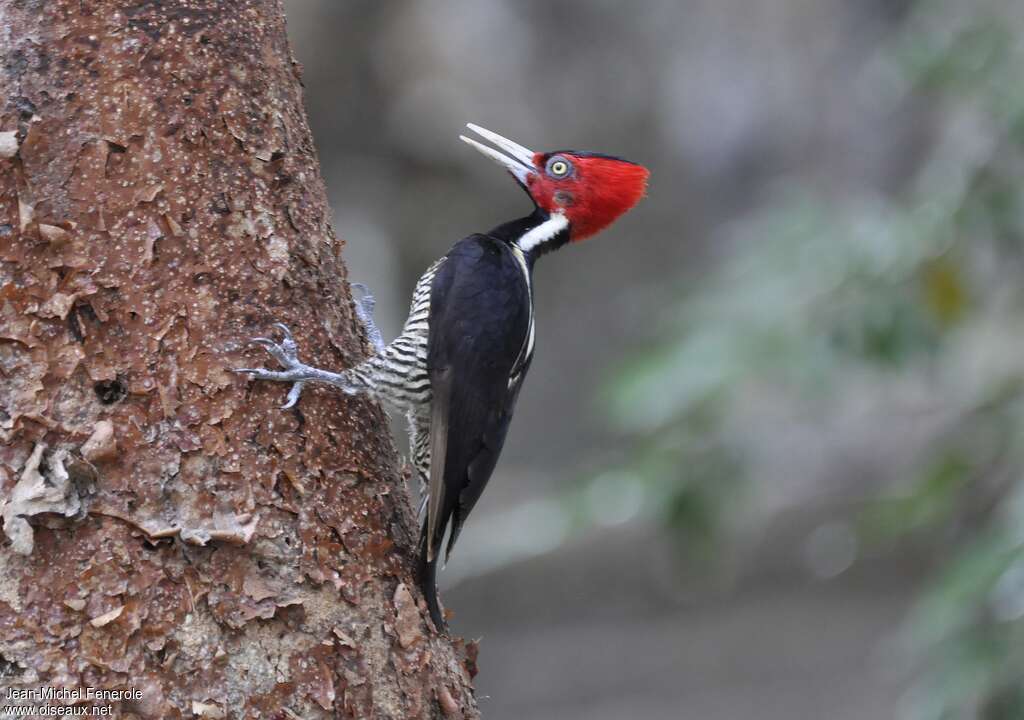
<point x="592" y="190"/>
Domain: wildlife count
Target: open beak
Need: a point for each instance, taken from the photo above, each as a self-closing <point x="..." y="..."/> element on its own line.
<point x="515" y="158"/>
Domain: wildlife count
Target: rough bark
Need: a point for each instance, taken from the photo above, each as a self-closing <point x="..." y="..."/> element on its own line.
<point x="169" y="528"/>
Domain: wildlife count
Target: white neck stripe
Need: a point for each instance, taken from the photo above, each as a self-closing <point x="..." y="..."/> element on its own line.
<point x="543" y="232"/>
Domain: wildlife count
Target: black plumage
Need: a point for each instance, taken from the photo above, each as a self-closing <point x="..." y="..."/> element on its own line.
<point x="477" y="356"/>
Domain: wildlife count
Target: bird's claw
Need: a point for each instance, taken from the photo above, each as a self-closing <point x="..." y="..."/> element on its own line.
<point x="293" y="395"/>
<point x="367" y="302"/>
<point x="288" y="344"/>
<point x="286" y="353"/>
<point x="364" y="311"/>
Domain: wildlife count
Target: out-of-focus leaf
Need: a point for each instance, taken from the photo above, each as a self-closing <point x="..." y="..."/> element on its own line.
<point x="958" y="597"/>
<point x="945" y="291"/>
<point x="932" y="500"/>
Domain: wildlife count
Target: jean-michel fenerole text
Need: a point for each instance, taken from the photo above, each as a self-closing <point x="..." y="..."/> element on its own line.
<point x="71" y="695"/>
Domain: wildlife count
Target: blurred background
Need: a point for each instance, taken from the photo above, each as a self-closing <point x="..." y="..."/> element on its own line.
<point x="768" y="462"/>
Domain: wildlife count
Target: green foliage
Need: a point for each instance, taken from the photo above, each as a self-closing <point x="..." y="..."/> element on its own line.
<point x="930" y="500"/>
<point x="822" y="295"/>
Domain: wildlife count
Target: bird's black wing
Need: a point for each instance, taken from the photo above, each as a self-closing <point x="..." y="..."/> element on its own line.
<point x="479" y="322"/>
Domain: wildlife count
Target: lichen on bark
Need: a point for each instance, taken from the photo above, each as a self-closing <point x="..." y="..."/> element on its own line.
<point x="170" y="529"/>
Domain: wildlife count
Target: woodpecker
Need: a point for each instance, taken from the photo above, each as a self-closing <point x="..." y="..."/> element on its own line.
<point x="458" y="365"/>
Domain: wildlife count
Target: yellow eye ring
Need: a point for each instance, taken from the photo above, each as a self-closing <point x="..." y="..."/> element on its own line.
<point x="559" y="167"/>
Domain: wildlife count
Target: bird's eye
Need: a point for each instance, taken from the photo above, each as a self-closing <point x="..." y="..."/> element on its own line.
<point x="559" y="167"/>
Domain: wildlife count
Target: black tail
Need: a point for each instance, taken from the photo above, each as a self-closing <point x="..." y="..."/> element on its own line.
<point x="427" y="572"/>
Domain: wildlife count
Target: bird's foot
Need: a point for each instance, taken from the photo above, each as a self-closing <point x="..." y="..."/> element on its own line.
<point x="286" y="353"/>
<point x="365" y="304"/>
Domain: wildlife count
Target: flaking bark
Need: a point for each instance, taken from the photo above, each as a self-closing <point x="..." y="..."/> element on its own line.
<point x="169" y="528"/>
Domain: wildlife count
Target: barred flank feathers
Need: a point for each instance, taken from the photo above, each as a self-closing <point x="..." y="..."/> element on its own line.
<point x="398" y="375"/>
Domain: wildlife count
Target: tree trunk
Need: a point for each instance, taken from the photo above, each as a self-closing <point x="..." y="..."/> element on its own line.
<point x="171" y="531"/>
